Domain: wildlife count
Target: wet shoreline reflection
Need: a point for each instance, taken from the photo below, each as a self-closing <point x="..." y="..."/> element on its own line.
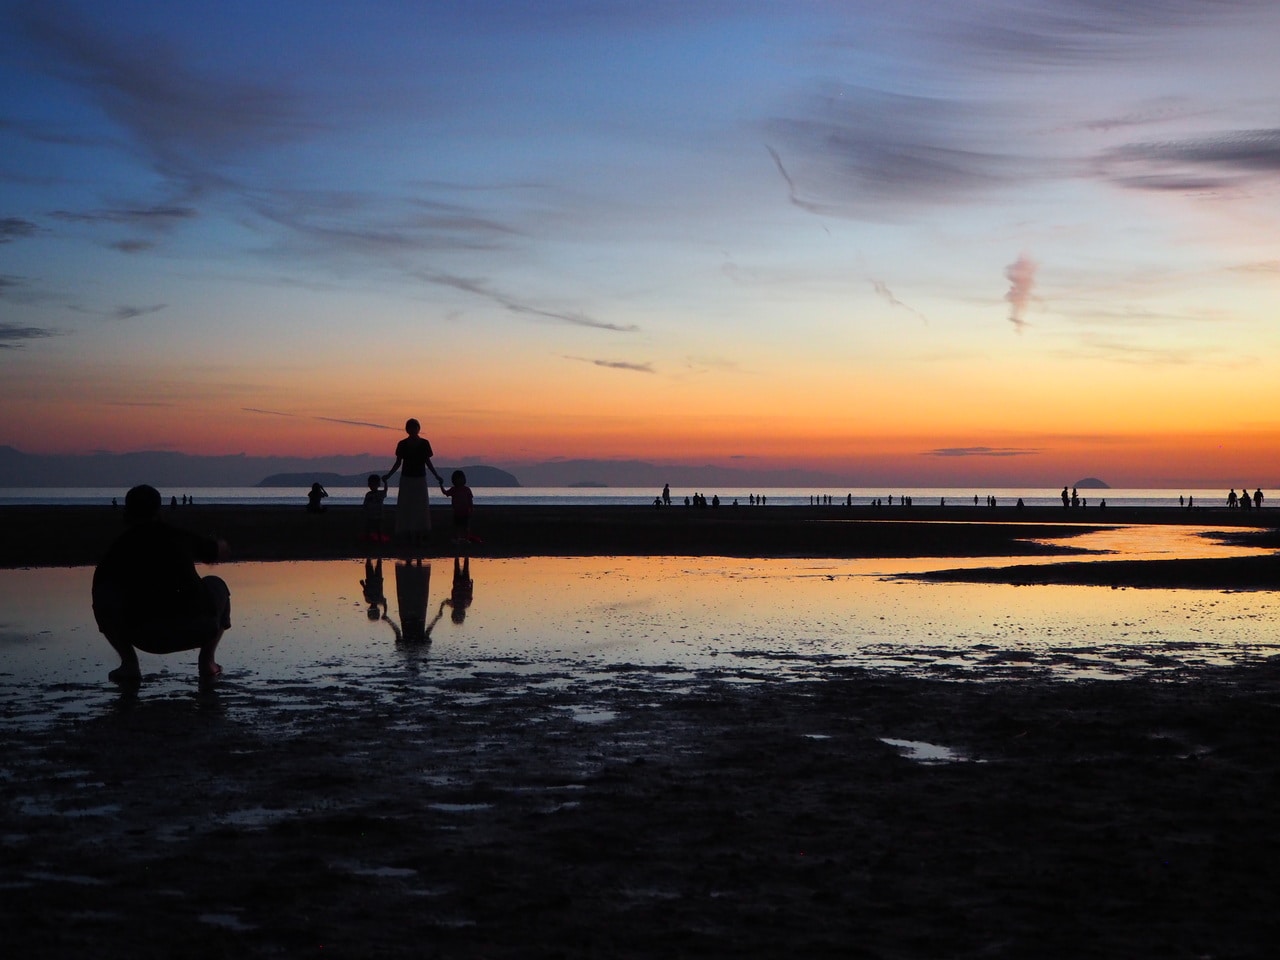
<point x="348" y="625"/>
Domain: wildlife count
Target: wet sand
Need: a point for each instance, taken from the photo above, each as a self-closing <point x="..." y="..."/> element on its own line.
<point x="649" y="815"/>
<point x="654" y="818"/>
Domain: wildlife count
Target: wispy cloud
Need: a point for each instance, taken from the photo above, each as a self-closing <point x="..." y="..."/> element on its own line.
<point x="1021" y="275"/>
<point x="13" y="336"/>
<point x="132" y="313"/>
<point x="307" y="416"/>
<point x="615" y="364"/>
<point x="1039" y="33"/>
<point x="1108" y="348"/>
<point x="269" y="413"/>
<point x="481" y="288"/>
<point x="984" y="452"/>
<point x="159" y="216"/>
<point x="859" y="151"/>
<point x="16" y="228"/>
<point x="1195" y="164"/>
<point x="882" y="290"/>
<point x="189" y="126"/>
<point x="357" y="423"/>
<point x="132" y="246"/>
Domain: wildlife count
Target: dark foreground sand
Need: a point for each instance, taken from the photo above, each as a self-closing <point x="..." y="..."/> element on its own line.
<point x="1102" y="819"/>
<point x="1112" y="819"/>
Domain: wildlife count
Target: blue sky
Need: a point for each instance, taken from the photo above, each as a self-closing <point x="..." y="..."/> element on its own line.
<point x="892" y="239"/>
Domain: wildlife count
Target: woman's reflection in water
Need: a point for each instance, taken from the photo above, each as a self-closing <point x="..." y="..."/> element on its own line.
<point x="413" y="584"/>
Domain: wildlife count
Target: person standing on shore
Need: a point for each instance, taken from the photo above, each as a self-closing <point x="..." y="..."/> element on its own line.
<point x="148" y="596"/>
<point x="413" y="453"/>
<point x="463" y="502"/>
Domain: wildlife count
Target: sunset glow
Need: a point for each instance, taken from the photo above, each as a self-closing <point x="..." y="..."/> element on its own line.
<point x="1017" y="241"/>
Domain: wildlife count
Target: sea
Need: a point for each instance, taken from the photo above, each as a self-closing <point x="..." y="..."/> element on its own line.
<point x="644" y="496"/>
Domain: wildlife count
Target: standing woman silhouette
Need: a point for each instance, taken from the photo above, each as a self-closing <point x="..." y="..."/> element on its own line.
<point x="413" y="519"/>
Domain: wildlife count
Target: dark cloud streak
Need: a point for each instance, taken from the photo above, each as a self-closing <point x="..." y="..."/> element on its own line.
<point x="481" y="289"/>
<point x="615" y="364"/>
<point x="13" y="336"/>
<point x="16" y="228"/>
<point x="984" y="452"/>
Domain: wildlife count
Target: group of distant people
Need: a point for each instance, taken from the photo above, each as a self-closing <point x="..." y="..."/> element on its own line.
<point x="1243" y="500"/>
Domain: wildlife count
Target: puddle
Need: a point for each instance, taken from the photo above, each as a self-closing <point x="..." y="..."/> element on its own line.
<point x="922" y="752"/>
<point x="559" y="625"/>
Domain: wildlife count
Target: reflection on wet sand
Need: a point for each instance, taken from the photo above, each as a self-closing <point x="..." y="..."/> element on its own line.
<point x="413" y="586"/>
<point x="603" y="617"/>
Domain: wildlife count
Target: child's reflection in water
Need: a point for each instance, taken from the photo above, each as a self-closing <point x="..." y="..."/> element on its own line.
<point x="463" y="589"/>
<point x="374" y="591"/>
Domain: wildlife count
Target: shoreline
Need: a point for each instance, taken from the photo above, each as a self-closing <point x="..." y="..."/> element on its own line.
<point x="46" y="536"/>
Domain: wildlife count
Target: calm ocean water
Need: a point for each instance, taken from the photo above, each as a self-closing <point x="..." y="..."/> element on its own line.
<point x="636" y="496"/>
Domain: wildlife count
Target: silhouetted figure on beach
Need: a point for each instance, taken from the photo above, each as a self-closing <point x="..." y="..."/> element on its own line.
<point x="1191" y="501"/>
<point x="1066" y="498"/>
<point x="666" y="494"/>
<point x="413" y="515"/>
<point x="148" y="596"/>
<point x="463" y="503"/>
<point x="1246" y="502"/>
<point x="315" y="495"/>
<point x="1232" y="501"/>
<point x="371" y="508"/>
<point x="1257" y="499"/>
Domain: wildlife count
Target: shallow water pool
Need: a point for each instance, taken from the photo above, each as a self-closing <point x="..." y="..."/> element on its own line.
<point x="337" y="624"/>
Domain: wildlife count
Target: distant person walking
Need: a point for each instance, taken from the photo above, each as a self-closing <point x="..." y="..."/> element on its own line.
<point x="413" y="453"/>
<point x="1257" y="498"/>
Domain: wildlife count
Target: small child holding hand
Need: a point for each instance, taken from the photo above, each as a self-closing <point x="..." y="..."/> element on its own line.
<point x="460" y="495"/>
<point x="373" y="508"/>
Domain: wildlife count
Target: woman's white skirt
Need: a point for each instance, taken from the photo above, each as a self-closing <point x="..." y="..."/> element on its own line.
<point x="412" y="515"/>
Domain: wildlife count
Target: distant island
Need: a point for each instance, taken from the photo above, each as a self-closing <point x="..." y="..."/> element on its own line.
<point x="477" y="476"/>
<point x="1092" y="483"/>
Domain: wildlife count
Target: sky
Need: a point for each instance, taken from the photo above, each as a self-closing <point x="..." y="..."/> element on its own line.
<point x="1003" y="241"/>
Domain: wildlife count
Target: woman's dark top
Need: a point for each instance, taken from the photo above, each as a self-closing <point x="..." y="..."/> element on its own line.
<point x="414" y="452"/>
